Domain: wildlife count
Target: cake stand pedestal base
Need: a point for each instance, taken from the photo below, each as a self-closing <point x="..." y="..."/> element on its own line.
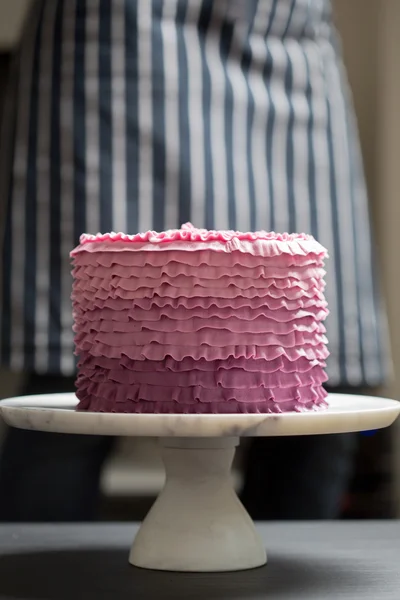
<point x="197" y="522"/>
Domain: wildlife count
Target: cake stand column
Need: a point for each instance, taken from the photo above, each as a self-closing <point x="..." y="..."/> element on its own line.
<point x="197" y="522"/>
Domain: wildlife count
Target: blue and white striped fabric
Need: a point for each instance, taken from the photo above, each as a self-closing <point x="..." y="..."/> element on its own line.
<point x="136" y="114"/>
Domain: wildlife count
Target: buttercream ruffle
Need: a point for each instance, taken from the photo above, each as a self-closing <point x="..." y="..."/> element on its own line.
<point x="237" y="379"/>
<point x="170" y="315"/>
<point x="262" y="325"/>
<point x="200" y="321"/>
<point x="158" y="352"/>
<point x="108" y="256"/>
<point x="175" y="269"/>
<point x="112" y="281"/>
<point x="97" y="404"/>
<point x="259" y="243"/>
<point x="120" y="393"/>
<point x="169" y="291"/>
<point x="219" y="338"/>
<point x="281" y="363"/>
<point x="80" y="301"/>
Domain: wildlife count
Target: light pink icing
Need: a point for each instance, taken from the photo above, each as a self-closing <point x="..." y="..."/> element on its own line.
<point x="207" y="272"/>
<point x="272" y="304"/>
<point x="168" y="291"/>
<point x="188" y="233"/>
<point x="168" y="315"/>
<point x="182" y="281"/>
<point x="259" y="325"/>
<point x="219" y="338"/>
<point x="200" y="321"/>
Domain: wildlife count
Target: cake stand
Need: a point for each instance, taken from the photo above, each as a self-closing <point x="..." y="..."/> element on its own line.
<point x="197" y="522"/>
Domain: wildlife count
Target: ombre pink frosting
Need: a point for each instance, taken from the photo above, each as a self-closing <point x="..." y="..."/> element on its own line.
<point x="197" y="321"/>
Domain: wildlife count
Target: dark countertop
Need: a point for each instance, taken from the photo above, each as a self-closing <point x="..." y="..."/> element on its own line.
<point x="338" y="560"/>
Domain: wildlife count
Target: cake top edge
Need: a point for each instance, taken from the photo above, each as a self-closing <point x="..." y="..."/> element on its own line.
<point x="188" y="233"/>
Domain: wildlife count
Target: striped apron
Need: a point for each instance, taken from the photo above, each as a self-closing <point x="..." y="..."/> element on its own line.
<point x="135" y="114"/>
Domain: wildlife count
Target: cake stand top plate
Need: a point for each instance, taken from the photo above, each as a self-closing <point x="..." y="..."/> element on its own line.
<point x="56" y="413"/>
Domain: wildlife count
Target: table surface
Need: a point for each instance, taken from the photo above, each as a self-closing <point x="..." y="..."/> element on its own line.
<point x="342" y="560"/>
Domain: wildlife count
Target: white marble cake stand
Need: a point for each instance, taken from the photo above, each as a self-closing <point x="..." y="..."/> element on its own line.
<point x="197" y="522"/>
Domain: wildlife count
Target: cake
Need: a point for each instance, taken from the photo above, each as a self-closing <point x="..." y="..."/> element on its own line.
<point x="198" y="321"/>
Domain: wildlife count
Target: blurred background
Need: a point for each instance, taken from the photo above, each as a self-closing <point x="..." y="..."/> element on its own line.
<point x="371" y="46"/>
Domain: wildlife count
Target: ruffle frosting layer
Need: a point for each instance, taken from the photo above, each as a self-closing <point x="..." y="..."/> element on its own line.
<point x="237" y="379"/>
<point x="219" y="338"/>
<point x="158" y="352"/>
<point x="97" y="404"/>
<point x="111" y="281"/>
<point x="170" y="315"/>
<point x="168" y="291"/>
<point x="107" y="256"/>
<point x="187" y="283"/>
<point x="80" y="301"/>
<point x="281" y="363"/>
<point x="193" y="240"/>
<point x="175" y="269"/>
<point x="189" y="233"/>
<point x="200" y="321"/>
<point x="262" y="326"/>
<point x="197" y="394"/>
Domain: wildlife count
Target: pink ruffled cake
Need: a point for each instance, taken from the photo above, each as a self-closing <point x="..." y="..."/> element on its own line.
<point x="197" y="321"/>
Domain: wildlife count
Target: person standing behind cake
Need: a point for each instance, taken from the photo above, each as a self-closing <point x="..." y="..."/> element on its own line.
<point x="134" y="115"/>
